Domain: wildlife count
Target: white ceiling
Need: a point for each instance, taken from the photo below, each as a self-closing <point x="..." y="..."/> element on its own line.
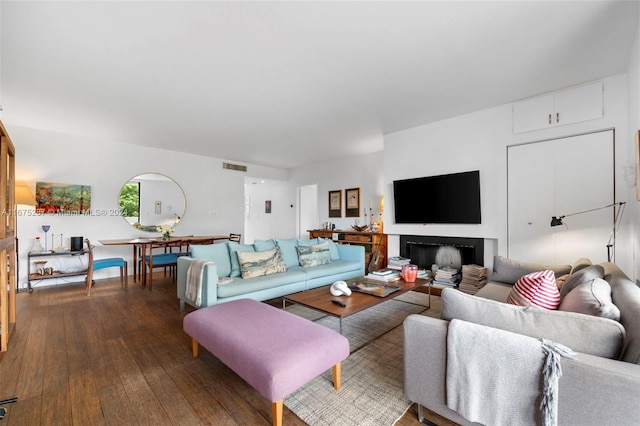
<point x="286" y="84"/>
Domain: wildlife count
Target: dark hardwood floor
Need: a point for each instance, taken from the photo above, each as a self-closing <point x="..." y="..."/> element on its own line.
<point x="121" y="358"/>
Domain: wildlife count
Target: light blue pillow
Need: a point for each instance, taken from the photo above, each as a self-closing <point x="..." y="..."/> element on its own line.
<point x="217" y="253"/>
<point x="233" y="249"/>
<point x="307" y="243"/>
<point x="263" y="245"/>
<point x="314" y="255"/>
<point x="333" y="248"/>
<point x="288" y="251"/>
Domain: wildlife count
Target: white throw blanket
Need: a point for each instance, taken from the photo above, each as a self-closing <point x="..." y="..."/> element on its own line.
<point x="195" y="272"/>
<point x="496" y="377"/>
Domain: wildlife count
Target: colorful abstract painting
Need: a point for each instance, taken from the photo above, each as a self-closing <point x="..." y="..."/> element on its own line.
<point x="62" y="198"/>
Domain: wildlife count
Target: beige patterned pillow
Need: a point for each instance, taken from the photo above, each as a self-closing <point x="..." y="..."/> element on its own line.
<point x="317" y="254"/>
<point x="257" y="264"/>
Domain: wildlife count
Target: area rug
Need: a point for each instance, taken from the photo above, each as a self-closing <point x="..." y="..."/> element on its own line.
<point x="372" y="376"/>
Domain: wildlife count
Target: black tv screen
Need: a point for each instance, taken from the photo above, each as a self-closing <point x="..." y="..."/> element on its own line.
<point x="451" y="199"/>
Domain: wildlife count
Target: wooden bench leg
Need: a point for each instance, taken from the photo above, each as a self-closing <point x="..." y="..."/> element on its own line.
<point x="336" y="375"/>
<point x="276" y="412"/>
<point x="194" y="347"/>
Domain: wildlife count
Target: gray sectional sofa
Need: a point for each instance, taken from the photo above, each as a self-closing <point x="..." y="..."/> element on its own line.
<point x="223" y="281"/>
<point x="600" y="386"/>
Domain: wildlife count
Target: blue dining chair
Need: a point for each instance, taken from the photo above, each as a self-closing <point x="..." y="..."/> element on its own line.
<point x="168" y="259"/>
<point x="111" y="262"/>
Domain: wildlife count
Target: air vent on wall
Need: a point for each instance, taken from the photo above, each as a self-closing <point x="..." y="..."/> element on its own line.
<point x="237" y="167"/>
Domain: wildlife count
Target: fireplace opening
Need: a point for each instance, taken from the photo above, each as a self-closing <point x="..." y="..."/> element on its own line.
<point x="422" y="250"/>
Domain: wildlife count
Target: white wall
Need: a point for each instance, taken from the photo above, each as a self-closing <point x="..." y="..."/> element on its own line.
<point x="479" y="141"/>
<point x="215" y="196"/>
<point x="633" y="207"/>
<point x="471" y="142"/>
<point x="362" y="171"/>
<point x="307" y="210"/>
<point x="280" y="223"/>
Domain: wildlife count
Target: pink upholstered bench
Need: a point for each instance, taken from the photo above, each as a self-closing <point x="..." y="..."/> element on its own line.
<point x="274" y="351"/>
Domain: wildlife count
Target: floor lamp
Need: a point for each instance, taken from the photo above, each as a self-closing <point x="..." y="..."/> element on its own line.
<point x="611" y="244"/>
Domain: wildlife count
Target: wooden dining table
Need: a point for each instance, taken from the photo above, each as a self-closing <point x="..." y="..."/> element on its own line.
<point x="141" y="244"/>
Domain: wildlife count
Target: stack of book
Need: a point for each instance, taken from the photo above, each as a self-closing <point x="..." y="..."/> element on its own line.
<point x="474" y="277"/>
<point x="396" y="262"/>
<point x="424" y="273"/>
<point x="386" y="275"/>
<point x="446" y="277"/>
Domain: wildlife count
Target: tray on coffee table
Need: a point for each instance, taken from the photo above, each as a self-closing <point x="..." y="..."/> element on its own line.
<point x="374" y="288"/>
<point x="320" y="298"/>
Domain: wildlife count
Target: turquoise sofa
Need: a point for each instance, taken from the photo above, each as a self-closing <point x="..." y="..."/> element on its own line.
<point x="222" y="278"/>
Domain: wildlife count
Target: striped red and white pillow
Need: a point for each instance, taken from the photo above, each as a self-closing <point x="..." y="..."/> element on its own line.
<point x="537" y="288"/>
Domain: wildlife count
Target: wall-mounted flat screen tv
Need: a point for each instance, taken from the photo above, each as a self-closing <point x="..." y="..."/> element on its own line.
<point x="452" y="199"/>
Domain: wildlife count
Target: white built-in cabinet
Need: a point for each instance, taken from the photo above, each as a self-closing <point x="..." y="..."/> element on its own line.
<point x="556" y="178"/>
<point x="574" y="105"/>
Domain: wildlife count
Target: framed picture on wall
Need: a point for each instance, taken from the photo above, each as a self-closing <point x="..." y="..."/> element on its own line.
<point x="62" y="198"/>
<point x="352" y="197"/>
<point x="335" y="203"/>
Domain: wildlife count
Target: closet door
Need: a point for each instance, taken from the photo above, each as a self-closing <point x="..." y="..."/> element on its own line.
<point x="561" y="177"/>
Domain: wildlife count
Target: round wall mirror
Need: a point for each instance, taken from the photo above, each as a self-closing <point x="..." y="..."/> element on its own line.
<point x="150" y="200"/>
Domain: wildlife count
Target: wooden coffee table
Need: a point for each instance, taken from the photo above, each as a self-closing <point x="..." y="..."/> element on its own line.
<point x="320" y="298"/>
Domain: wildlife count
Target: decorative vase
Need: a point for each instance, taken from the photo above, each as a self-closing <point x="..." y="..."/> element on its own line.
<point x="166" y="236"/>
<point x="37" y="247"/>
<point x="409" y="273"/>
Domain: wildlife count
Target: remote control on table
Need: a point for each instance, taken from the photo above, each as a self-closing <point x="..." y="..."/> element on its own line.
<point x="338" y="302"/>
